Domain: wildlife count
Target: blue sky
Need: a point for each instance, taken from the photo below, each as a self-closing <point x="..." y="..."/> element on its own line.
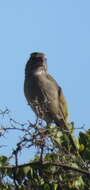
<point x="61" y="29"/>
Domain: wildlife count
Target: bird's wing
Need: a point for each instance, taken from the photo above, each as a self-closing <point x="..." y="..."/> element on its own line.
<point x="62" y="100"/>
<point x="63" y="104"/>
<point x="63" y="110"/>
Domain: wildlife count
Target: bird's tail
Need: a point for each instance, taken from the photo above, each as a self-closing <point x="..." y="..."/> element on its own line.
<point x="66" y="130"/>
<point x="63" y="126"/>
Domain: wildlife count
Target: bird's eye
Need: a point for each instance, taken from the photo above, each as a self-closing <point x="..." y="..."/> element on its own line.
<point x="38" y="59"/>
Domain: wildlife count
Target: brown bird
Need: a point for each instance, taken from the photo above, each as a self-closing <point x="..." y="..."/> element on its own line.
<point x="44" y="94"/>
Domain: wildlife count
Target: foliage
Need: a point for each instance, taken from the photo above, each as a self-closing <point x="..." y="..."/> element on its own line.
<point x="55" y="166"/>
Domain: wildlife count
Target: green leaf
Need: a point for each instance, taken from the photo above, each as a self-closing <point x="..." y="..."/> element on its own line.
<point x="46" y="186"/>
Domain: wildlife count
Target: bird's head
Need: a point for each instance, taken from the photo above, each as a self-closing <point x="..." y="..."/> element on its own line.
<point x="37" y="63"/>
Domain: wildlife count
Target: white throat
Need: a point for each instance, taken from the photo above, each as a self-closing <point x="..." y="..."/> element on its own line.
<point x="39" y="72"/>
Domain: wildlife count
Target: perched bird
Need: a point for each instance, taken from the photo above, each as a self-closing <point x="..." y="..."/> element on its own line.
<point x="44" y="94"/>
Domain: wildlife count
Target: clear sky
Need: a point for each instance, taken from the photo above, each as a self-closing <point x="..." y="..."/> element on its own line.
<point x="59" y="28"/>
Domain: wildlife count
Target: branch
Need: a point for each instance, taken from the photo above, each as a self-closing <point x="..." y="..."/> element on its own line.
<point x="47" y="164"/>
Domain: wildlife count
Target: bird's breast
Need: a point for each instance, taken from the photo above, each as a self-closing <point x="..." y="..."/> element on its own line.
<point x="47" y="86"/>
<point x="41" y="88"/>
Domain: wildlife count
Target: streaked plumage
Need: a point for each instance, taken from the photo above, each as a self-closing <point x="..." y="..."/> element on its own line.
<point x="43" y="93"/>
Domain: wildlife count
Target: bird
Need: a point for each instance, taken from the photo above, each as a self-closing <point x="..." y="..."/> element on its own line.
<point x="44" y="95"/>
